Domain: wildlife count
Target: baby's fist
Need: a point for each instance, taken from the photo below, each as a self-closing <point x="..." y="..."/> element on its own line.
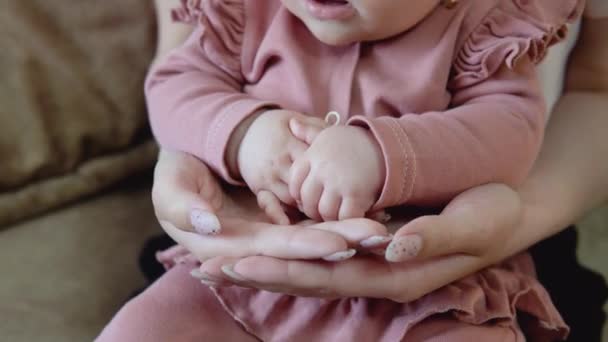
<point x="340" y="176"/>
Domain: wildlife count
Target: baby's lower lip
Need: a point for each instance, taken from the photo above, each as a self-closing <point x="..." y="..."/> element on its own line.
<point x="330" y="9"/>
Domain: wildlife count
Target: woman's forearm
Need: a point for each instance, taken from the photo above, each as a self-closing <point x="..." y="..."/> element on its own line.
<point x="571" y="175"/>
<point x="170" y="33"/>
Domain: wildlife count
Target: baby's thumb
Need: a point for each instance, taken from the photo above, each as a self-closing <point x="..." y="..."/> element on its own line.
<point x="304" y="131"/>
<point x="272" y="207"/>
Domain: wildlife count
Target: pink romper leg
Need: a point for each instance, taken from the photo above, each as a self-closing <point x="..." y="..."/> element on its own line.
<point x="443" y="328"/>
<point x="176" y="308"/>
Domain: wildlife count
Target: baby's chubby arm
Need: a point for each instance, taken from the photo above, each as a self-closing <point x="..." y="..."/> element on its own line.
<point x="491" y="133"/>
<point x="195" y="104"/>
<point x="261" y="152"/>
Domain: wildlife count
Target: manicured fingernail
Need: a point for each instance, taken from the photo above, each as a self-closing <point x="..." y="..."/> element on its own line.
<point x="204" y="222"/>
<point x="404" y="248"/>
<point x="230" y="273"/>
<point x="210" y="283"/>
<point x="341" y="256"/>
<point x="196" y="273"/>
<point x="376" y="241"/>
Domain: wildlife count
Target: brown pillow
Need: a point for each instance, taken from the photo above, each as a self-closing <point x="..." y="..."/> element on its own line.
<point x="72" y="113"/>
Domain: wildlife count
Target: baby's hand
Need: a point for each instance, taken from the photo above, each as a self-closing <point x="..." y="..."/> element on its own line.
<point x="265" y="156"/>
<point x="340" y="176"/>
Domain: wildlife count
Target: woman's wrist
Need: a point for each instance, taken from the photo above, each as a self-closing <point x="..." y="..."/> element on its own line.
<point x="569" y="178"/>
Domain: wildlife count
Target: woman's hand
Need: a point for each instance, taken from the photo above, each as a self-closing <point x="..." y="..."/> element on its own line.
<point x="470" y="234"/>
<point x="187" y="199"/>
<point x="186" y="194"/>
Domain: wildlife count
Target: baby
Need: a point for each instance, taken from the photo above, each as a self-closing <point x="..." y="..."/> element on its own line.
<point x="431" y="101"/>
<point x="427" y="99"/>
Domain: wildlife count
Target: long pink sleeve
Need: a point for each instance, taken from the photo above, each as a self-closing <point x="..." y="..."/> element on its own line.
<point x="195" y="103"/>
<point x="492" y="134"/>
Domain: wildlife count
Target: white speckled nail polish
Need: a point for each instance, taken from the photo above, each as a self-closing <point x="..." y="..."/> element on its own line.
<point x="404" y="248"/>
<point x="230" y="273"/>
<point x="376" y="241"/>
<point x="341" y="256"/>
<point x="210" y="283"/>
<point x="204" y="222"/>
<point x="196" y="273"/>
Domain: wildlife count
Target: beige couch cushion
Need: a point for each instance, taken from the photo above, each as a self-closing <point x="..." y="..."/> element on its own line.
<point x="72" y="110"/>
<point x="65" y="274"/>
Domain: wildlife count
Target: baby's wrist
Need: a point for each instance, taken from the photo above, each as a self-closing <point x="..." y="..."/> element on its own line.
<point x="234" y="143"/>
<point x="380" y="161"/>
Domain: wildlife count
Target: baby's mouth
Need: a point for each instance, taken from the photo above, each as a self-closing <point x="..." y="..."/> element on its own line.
<point x="330" y="9"/>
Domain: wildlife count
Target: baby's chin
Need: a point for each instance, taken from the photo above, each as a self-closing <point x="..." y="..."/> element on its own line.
<point x="334" y="34"/>
<point x="338" y="35"/>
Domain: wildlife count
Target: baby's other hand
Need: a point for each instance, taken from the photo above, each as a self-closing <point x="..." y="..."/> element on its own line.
<point x="265" y="156"/>
<point x="341" y="174"/>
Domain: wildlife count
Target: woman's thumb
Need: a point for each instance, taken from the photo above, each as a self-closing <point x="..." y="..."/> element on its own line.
<point x="204" y="222"/>
<point x="188" y="212"/>
<point x="473" y="223"/>
<point x="422" y="238"/>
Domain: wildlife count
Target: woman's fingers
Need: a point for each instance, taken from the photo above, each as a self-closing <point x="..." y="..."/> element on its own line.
<point x="272" y="206"/>
<point x="220" y="271"/>
<point x="357" y="232"/>
<point x="473" y="223"/>
<point x="241" y="238"/>
<point x="332" y="241"/>
<point x="349" y="278"/>
<point x="210" y="272"/>
<point x="356" y="277"/>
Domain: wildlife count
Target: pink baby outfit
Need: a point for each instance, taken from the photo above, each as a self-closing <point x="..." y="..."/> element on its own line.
<point x="454" y="103"/>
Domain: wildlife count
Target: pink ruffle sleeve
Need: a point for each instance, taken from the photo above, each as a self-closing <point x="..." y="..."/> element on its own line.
<point x="195" y="98"/>
<point x="494" y="127"/>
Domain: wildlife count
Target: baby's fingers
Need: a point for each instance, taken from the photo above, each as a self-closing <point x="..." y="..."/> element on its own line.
<point x="304" y="131"/>
<point x="299" y="172"/>
<point x="271" y="205"/>
<point x="329" y="205"/>
<point x="351" y="208"/>
<point x="312" y="189"/>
